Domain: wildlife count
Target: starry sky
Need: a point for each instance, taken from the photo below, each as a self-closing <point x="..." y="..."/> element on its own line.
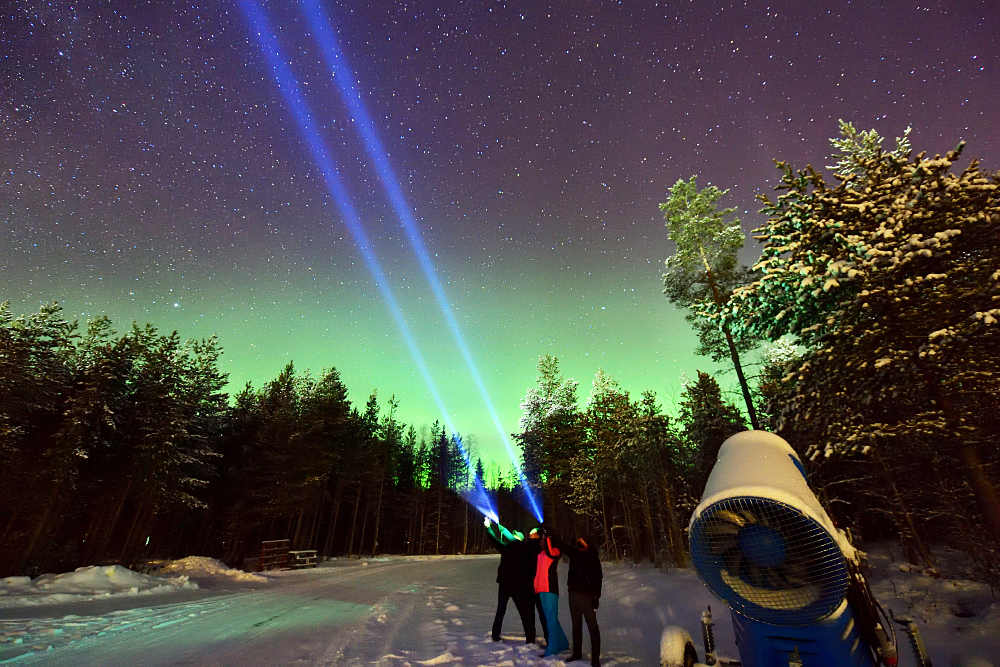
<point x="151" y="170"/>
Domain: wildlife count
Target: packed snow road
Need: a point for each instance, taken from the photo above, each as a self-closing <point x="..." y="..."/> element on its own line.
<point x="396" y="611"/>
<point x="404" y="612"/>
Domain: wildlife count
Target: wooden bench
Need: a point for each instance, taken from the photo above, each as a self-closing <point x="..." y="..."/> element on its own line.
<point x="302" y="559"/>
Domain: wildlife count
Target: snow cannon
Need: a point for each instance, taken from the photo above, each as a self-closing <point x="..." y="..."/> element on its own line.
<point x="763" y="544"/>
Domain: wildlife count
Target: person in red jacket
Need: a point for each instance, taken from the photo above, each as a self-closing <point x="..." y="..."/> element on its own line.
<point x="547" y="589"/>
<point x="529" y="565"/>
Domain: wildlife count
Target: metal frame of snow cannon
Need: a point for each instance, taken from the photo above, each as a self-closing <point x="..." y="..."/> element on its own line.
<point x="763" y="544"/>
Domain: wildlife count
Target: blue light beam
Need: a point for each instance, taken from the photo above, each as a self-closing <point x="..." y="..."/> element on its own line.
<point x="293" y="98"/>
<point x="477" y="496"/>
<point x="289" y="89"/>
<point x="320" y="23"/>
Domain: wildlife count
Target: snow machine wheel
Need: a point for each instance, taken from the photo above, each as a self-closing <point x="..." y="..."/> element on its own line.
<point x="690" y="655"/>
<point x="677" y="648"/>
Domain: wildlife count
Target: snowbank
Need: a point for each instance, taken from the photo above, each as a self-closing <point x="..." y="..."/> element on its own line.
<point x="90" y="582"/>
<point x="957" y="615"/>
<point x="203" y="567"/>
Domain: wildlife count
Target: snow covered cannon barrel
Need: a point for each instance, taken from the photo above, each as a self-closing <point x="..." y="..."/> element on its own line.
<point x="763" y="544"/>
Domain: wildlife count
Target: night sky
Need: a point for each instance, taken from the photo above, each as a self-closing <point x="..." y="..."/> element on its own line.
<point x="152" y="171"/>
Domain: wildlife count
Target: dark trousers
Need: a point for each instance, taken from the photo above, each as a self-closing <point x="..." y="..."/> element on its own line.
<point x="525" y="608"/>
<point x="581" y="606"/>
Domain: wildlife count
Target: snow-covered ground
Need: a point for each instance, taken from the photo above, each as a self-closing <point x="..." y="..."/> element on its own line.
<point x="86" y="583"/>
<point x="399" y="611"/>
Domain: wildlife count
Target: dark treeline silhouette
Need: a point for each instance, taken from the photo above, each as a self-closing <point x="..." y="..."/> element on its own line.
<point x="122" y="448"/>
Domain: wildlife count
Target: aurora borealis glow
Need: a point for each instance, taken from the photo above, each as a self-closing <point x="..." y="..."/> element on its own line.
<point x="152" y="171"/>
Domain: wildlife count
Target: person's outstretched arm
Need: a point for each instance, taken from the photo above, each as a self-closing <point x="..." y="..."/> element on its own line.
<point x="560" y="545"/>
<point x="551" y="549"/>
<point x="496" y="539"/>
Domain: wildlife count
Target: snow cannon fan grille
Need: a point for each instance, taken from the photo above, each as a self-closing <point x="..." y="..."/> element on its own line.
<point x="768" y="561"/>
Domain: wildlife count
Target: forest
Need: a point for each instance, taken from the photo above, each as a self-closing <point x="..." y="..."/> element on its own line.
<point x="871" y="317"/>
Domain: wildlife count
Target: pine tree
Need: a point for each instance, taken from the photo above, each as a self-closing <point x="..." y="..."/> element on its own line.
<point x="706" y="421"/>
<point x="704" y="270"/>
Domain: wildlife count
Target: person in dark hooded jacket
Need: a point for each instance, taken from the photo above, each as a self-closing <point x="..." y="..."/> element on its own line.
<point x="513" y="582"/>
<point x="584" y="582"/>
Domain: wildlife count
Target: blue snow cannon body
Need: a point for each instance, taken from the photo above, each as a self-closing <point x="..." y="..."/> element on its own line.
<point x="763" y="544"/>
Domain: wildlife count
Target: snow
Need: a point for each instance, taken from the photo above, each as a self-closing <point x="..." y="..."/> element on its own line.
<point x="409" y="611"/>
<point x="101" y="582"/>
<point x="673" y="642"/>
<point x="90" y="582"/>
<point x="201" y="567"/>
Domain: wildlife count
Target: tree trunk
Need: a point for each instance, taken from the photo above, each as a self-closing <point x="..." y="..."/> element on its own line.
<point x="378" y="516"/>
<point x="609" y="533"/>
<point x="10" y="524"/>
<point x="411" y="533"/>
<point x="423" y="514"/>
<point x="629" y="530"/>
<point x="298" y="528"/>
<point x="354" y="522"/>
<point x="314" y="523"/>
<point x="39" y="530"/>
<point x="110" y="529"/>
<point x="751" y="410"/>
<point x="664" y="530"/>
<point x="139" y="511"/>
<point x="647" y="513"/>
<point x="333" y="519"/>
<point x="984" y="490"/>
<point x="914" y="547"/>
<point x="968" y="454"/>
<point x="437" y="537"/>
<point x="465" y="533"/>
<point x="364" y="528"/>
<point x="677" y="552"/>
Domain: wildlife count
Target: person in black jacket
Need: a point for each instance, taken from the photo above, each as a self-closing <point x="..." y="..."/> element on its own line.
<point x="511" y="575"/>
<point x="584" y="583"/>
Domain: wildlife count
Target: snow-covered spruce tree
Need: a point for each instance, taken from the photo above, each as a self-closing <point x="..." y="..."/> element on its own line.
<point x="857" y="149"/>
<point x="774" y="360"/>
<point x="550" y="432"/>
<point x="892" y="284"/>
<point x="703" y="271"/>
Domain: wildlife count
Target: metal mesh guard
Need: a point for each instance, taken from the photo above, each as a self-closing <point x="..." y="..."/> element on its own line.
<point x="768" y="561"/>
